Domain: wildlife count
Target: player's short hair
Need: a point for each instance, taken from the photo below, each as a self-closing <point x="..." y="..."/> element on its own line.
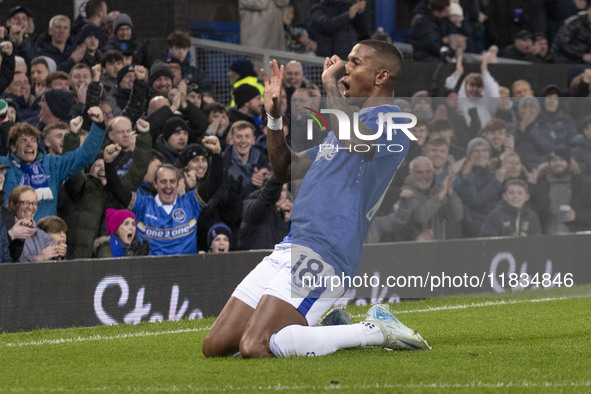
<point x="178" y="38"/>
<point x="241" y="125"/>
<point x="169" y="167"/>
<point x="52" y="76"/>
<point x="93" y="7"/>
<point x="515" y="182"/>
<point x="493" y="125"/>
<point x="440" y="125"/>
<point x="474" y="79"/>
<point x="111" y="56"/>
<point x="22" y="129"/>
<point x="55" y="126"/>
<point x="419" y="159"/>
<point x="52" y="224"/>
<point x="388" y="57"/>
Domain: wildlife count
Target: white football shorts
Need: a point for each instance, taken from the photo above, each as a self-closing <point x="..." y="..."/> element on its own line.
<point x="305" y="284"/>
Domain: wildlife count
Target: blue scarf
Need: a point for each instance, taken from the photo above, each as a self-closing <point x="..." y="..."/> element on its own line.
<point x="34" y="175"/>
<point x="116" y="246"/>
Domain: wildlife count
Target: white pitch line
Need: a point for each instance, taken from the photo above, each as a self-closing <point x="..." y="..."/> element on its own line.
<point x="481" y="304"/>
<point x="281" y="387"/>
<point x="141" y="334"/>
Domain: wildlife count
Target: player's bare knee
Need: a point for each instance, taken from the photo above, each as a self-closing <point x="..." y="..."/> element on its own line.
<point x="253" y="348"/>
<point x="213" y="346"/>
<point x="209" y="348"/>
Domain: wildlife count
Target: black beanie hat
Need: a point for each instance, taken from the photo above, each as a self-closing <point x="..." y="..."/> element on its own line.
<point x="190" y="152"/>
<point x="173" y="125"/>
<point x="60" y="102"/>
<point x="244" y="93"/>
<point x="217" y="229"/>
<point x="243" y="67"/>
<point x="123" y="72"/>
<point x="88" y="30"/>
<point x="159" y="68"/>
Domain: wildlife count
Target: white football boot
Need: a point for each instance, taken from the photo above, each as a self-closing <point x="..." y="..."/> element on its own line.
<point x="397" y="336"/>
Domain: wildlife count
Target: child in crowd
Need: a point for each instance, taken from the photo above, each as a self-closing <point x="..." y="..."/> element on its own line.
<point x="122" y="241"/>
<point x="512" y="217"/>
<point x="218" y="238"/>
<point x="56" y="228"/>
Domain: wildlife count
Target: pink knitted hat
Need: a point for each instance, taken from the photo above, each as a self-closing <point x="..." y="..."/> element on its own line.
<point x="115" y="217"/>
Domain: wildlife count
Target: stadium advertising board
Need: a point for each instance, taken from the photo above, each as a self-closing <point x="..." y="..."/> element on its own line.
<point x="95" y="292"/>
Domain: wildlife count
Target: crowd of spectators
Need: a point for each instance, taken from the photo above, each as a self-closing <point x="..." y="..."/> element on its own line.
<point x="549" y="31"/>
<point x="109" y="150"/>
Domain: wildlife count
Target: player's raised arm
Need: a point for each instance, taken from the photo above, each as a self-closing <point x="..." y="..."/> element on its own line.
<point x="335" y="86"/>
<point x="286" y="163"/>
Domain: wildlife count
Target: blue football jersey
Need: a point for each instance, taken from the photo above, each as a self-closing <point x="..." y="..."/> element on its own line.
<point x="168" y="234"/>
<point x="341" y="193"/>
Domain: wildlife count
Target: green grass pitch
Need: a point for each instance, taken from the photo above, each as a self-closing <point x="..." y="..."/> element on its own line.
<point x="479" y="345"/>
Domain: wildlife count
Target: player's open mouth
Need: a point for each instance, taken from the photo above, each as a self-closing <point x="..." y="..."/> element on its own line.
<point x="221" y="250"/>
<point x="347" y="87"/>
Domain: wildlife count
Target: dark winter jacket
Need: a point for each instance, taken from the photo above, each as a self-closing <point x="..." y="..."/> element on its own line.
<point x="169" y="154"/>
<point x="4" y="245"/>
<point x="573" y="40"/>
<point x="505" y="19"/>
<point x="534" y="144"/>
<point x="89" y="199"/>
<point x="262" y="225"/>
<point x="582" y="154"/>
<point x="506" y="220"/>
<point x="141" y="55"/>
<point x="425" y="35"/>
<point x="561" y="126"/>
<point x="63" y="60"/>
<point x="194" y="116"/>
<point x="6" y="72"/>
<point x="132" y="102"/>
<point x="26" y="49"/>
<point x="511" y="52"/>
<point x="234" y="167"/>
<point x="488" y="193"/>
<point x="333" y="30"/>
